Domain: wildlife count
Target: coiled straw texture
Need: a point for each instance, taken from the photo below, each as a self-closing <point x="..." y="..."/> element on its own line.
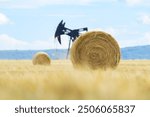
<point x="41" y="58"/>
<point x="95" y="50"/>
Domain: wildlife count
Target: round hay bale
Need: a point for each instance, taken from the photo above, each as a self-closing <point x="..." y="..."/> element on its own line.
<point x="41" y="58"/>
<point x="95" y="50"/>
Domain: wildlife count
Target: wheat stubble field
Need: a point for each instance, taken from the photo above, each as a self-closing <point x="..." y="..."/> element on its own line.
<point x="20" y="79"/>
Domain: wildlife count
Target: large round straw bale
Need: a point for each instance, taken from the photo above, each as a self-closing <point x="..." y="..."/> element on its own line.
<point x="95" y="50"/>
<point x="41" y="58"/>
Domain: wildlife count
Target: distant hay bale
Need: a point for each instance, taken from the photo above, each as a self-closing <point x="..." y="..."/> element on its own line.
<point x="41" y="58"/>
<point x="95" y="50"/>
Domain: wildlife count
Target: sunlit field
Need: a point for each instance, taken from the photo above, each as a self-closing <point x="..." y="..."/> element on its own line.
<point x="19" y="79"/>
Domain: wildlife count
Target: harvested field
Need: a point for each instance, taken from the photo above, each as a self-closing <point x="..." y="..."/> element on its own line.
<point x="20" y="79"/>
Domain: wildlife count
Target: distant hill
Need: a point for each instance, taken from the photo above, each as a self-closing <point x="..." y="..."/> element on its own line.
<point x="28" y="54"/>
<point x="137" y="52"/>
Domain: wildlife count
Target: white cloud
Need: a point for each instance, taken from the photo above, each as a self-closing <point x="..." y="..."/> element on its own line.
<point x="114" y="31"/>
<point x="134" y="2"/>
<point x="145" y="18"/>
<point x="133" y="42"/>
<point x="147" y="37"/>
<point x="67" y="15"/>
<point x="125" y="37"/>
<point x="141" y="39"/>
<point x="138" y="2"/>
<point x="4" y="19"/>
<point x="40" y="3"/>
<point x="9" y="43"/>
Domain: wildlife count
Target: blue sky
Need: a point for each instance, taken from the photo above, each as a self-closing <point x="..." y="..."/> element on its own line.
<point x="31" y="24"/>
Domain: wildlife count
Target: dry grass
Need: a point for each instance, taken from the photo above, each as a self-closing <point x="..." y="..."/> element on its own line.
<point x="22" y="80"/>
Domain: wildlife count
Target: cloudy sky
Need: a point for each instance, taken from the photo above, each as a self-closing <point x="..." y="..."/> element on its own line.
<point x="31" y="24"/>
